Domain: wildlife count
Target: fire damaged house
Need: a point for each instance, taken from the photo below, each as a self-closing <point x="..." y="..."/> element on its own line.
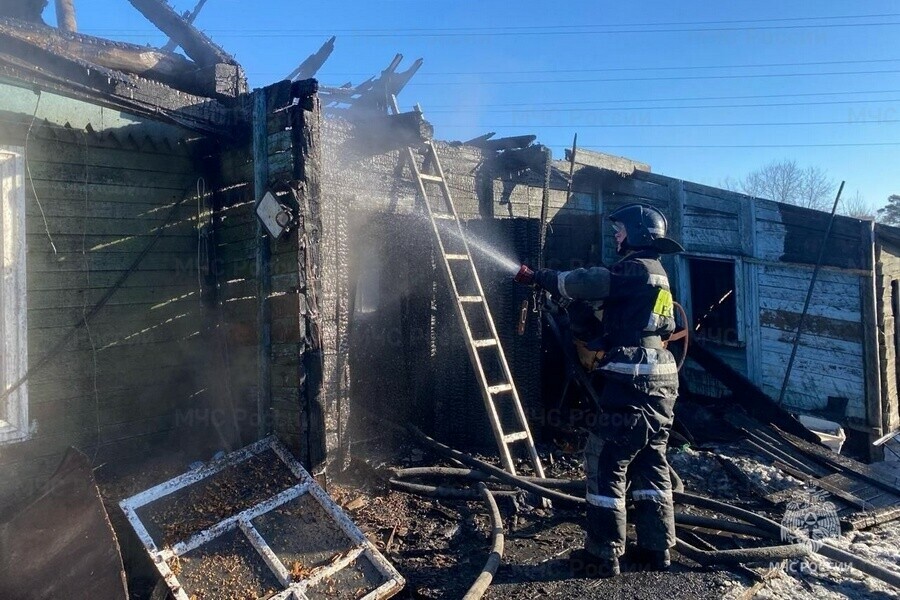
<point x="191" y="267"/>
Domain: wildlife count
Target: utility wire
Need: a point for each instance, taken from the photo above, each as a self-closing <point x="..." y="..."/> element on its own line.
<point x="633" y="79"/>
<point x="688" y="106"/>
<point x="632" y="125"/>
<point x="616" y="69"/>
<point x="507" y="32"/>
<point x="702" y="146"/>
<point x="546" y="27"/>
<point x="683" y="98"/>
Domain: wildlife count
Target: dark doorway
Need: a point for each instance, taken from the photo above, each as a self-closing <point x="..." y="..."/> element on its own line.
<point x="713" y="302"/>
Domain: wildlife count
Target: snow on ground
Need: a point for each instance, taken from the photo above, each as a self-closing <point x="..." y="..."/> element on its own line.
<point x="818" y="578"/>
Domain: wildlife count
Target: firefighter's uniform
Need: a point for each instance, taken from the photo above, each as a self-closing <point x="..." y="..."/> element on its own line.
<point x="641" y="385"/>
<point x="628" y="440"/>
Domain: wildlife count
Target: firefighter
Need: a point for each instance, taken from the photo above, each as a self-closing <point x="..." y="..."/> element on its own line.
<point x="640" y="376"/>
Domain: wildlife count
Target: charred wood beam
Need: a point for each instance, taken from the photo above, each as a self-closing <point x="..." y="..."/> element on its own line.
<point x="505" y="143"/>
<point x="48" y="47"/>
<point x="190" y="17"/>
<point x="378" y="133"/>
<point x="27" y="10"/>
<point x="514" y="161"/>
<point x="477" y="141"/>
<point x="375" y="93"/>
<point x="127" y="93"/>
<point x="111" y="55"/>
<point x="756" y="402"/>
<point x="194" y="42"/>
<point x="398" y="81"/>
<point x="309" y="67"/>
<point x="65" y="15"/>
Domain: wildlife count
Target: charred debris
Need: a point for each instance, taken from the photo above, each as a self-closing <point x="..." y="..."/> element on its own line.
<point x="296" y="351"/>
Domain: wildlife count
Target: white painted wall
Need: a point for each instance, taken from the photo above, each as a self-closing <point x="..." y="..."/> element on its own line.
<point x="13" y="308"/>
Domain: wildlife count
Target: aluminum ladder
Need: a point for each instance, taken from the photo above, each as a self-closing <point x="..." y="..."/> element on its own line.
<point x="446" y="224"/>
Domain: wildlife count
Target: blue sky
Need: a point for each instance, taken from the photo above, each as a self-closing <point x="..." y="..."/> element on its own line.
<point x="700" y="90"/>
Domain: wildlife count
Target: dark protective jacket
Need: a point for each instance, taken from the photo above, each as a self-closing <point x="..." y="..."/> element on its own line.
<point x="637" y="315"/>
<point x="629" y="439"/>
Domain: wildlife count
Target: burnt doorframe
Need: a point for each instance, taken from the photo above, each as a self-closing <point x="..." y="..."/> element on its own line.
<point x="684" y="286"/>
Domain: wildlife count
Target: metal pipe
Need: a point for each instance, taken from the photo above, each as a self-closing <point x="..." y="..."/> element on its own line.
<point x="809" y="292"/>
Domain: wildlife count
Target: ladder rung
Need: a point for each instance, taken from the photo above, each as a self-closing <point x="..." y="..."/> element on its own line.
<point x="515" y="437"/>
<point x="485" y="343"/>
<point x="457" y="257"/>
<point x="471" y="299"/>
<point x="448" y="216"/>
<point x="431" y="178"/>
<point x="500" y="388"/>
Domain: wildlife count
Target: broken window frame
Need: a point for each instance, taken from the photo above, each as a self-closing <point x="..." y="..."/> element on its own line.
<point x="14" y="425"/>
<point x="243" y="520"/>
<point x="686" y="299"/>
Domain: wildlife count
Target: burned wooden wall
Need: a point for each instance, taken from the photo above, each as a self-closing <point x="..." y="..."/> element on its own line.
<point x="771" y="249"/>
<point x="386" y="306"/>
<point x="268" y="288"/>
<point x="100" y="190"/>
<point x="887" y="293"/>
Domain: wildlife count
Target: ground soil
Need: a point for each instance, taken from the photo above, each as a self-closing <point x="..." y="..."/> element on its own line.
<point x="439" y="546"/>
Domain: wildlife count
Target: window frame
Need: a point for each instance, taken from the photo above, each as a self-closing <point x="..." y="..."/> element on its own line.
<point x="14" y="423"/>
<point x="686" y="301"/>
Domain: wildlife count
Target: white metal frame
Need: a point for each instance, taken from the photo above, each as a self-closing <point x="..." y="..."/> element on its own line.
<point x="293" y="590"/>
<point x="14" y="424"/>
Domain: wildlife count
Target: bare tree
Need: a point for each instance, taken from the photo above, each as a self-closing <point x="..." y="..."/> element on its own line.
<point x="856" y="206"/>
<point x="786" y="181"/>
<point x="815" y="189"/>
<point x="890" y="213"/>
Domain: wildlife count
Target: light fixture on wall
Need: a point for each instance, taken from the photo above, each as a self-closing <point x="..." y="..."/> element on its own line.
<point x="277" y="217"/>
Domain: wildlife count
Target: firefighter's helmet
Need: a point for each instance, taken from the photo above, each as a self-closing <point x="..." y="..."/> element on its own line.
<point x="645" y="227"/>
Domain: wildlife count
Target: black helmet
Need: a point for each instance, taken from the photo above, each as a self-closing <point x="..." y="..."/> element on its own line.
<point x="646" y="227"/>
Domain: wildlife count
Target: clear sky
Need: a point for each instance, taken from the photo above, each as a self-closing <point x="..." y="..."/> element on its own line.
<point x="701" y="90"/>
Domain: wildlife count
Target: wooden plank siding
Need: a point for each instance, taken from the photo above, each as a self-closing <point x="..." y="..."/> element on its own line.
<point x="141" y="369"/>
<point x="887" y="272"/>
<point x="775" y="247"/>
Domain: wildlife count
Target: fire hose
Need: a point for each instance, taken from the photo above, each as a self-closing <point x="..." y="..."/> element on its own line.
<point x="770" y="528"/>
<point x="483" y="581"/>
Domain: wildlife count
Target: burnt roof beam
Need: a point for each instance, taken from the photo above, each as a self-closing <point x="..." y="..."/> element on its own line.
<point x="309" y="67"/>
<point x="35" y="40"/>
<point x="195" y="43"/>
<point x="65" y="15"/>
<point x="190" y="17"/>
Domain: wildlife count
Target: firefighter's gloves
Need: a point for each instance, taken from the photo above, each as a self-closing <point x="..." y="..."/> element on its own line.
<point x="546" y="279"/>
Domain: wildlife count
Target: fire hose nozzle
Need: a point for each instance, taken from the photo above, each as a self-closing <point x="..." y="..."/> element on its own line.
<point x="525" y="276"/>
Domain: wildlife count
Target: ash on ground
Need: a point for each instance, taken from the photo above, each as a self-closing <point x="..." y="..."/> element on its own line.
<point x="440" y="545"/>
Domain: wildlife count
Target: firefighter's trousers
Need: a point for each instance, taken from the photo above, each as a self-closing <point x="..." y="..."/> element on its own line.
<point x="627" y="444"/>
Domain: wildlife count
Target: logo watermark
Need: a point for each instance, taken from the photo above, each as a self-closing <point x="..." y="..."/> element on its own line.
<point x="810" y="519"/>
